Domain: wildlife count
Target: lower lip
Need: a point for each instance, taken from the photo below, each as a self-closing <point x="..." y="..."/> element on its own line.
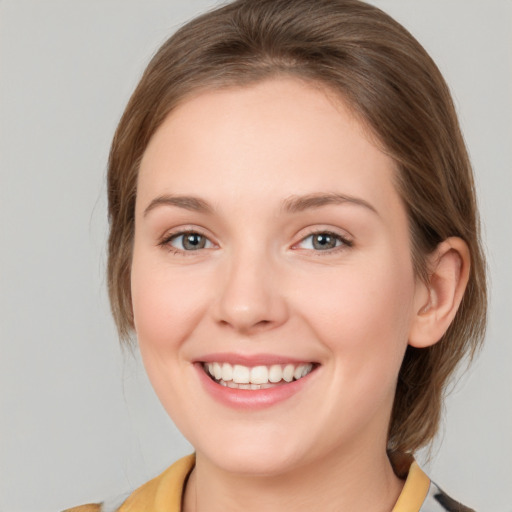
<point x="250" y="398"/>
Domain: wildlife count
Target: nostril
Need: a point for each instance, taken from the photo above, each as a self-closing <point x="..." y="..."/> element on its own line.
<point x="246" y="328"/>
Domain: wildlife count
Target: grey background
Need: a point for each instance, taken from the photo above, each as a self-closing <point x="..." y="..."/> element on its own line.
<point x="78" y="420"/>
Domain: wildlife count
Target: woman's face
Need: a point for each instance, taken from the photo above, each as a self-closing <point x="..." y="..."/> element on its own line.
<point x="271" y="245"/>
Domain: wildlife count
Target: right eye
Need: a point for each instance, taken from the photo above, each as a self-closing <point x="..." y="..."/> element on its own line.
<point x="188" y="241"/>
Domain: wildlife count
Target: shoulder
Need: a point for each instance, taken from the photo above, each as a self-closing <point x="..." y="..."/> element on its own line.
<point x="113" y="504"/>
<point x="167" y="488"/>
<point x="438" y="501"/>
<point x="419" y="493"/>
<point x="91" y="507"/>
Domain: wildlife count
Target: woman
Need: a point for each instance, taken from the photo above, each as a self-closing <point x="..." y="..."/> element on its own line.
<point x="295" y="244"/>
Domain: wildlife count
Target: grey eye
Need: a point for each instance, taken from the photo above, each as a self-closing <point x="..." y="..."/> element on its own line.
<point x="322" y="241"/>
<point x="190" y="241"/>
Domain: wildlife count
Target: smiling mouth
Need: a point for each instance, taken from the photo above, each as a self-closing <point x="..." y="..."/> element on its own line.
<point x="256" y="377"/>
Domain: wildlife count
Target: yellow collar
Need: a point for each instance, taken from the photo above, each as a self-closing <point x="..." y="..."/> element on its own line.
<point x="164" y="493"/>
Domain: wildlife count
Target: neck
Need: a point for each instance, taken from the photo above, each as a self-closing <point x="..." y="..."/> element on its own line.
<point x="352" y="482"/>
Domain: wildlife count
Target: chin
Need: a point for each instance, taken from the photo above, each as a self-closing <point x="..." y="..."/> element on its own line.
<point x="255" y="453"/>
<point x="260" y="464"/>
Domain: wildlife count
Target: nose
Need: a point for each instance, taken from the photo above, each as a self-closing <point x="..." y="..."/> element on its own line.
<point x="250" y="298"/>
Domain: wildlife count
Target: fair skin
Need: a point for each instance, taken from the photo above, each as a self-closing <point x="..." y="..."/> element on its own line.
<point x="250" y="173"/>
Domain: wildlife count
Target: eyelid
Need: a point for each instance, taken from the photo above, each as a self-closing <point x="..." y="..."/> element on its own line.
<point x="165" y="240"/>
<point x="346" y="241"/>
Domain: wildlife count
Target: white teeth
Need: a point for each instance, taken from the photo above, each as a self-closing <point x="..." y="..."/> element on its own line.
<point x="227" y="372"/>
<point x="256" y="377"/>
<point x="259" y="375"/>
<point x="275" y="373"/>
<point x="288" y="372"/>
<point x="217" y="371"/>
<point x="241" y="374"/>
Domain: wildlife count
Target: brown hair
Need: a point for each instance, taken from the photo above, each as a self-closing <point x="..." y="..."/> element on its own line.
<point x="394" y="88"/>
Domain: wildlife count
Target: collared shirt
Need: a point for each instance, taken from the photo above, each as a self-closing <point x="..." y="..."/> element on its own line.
<point x="164" y="494"/>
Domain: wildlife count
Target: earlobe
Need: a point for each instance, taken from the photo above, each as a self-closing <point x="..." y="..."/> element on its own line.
<point x="438" y="300"/>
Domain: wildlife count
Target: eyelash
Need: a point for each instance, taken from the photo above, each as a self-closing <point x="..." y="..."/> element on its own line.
<point x="344" y="242"/>
<point x="166" y="241"/>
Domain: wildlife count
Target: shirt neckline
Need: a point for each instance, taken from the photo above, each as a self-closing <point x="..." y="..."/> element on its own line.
<point x="164" y="493"/>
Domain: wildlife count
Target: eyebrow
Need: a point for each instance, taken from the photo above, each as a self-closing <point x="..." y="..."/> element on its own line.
<point x="296" y="204"/>
<point x="194" y="204"/>
<point x="292" y="204"/>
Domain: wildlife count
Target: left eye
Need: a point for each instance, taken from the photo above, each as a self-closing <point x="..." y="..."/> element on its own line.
<point x="322" y="241"/>
<point x="190" y="241"/>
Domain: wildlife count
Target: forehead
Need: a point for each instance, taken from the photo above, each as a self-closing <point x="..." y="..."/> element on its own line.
<point x="269" y="140"/>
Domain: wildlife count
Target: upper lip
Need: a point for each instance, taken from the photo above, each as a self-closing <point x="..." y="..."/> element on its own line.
<point x="250" y="359"/>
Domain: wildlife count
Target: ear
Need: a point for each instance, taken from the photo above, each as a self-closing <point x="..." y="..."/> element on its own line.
<point x="436" y="302"/>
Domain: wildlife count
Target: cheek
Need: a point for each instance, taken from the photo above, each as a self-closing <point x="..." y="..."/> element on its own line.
<point x="166" y="305"/>
<point x="363" y="314"/>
